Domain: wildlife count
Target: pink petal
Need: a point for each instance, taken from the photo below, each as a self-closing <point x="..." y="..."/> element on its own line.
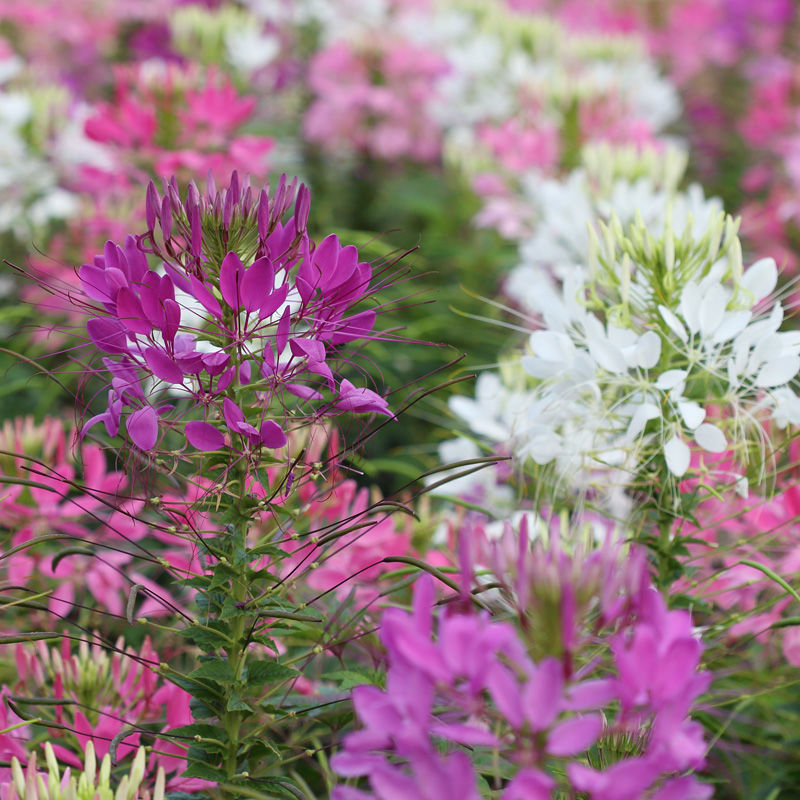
<point x="204" y="436"/>
<point x="271" y="435"/>
<point x="143" y="428"/>
<point x="230" y="277"/>
<point x="574" y="735"/>
<point x="162" y="365"/>
<point x="203" y="296"/>
<point x="131" y="314"/>
<point x="257" y="283"/>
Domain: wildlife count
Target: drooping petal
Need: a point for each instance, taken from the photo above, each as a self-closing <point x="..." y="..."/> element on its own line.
<point x="142" y="427"/>
<point x="710" y="438"/>
<point x="678" y="456"/>
<point x="272" y="435"/>
<point x="162" y="365"/>
<point x="203" y="295"/>
<point x="693" y="413"/>
<point x="204" y="436"/>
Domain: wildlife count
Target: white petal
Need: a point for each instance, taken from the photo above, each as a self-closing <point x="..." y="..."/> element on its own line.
<point x="778" y="371"/>
<point x="761" y="278"/>
<point x="540" y="367"/>
<point x="742" y="488"/>
<point x="644" y="413"/>
<point x="673" y="323"/>
<point x="733" y="323"/>
<point x="691" y="298"/>
<point x="712" y="309"/>
<point x="678" y="456"/>
<point x="607" y="356"/>
<point x="648" y="350"/>
<point x="710" y="438"/>
<point x="552" y="346"/>
<point x="693" y="413"/>
<point x="671" y="378"/>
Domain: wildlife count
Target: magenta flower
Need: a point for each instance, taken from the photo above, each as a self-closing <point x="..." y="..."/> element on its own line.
<point x="247" y="319"/>
<point x="467" y="680"/>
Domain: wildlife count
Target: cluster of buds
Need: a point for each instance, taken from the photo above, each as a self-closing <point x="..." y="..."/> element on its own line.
<point x="90" y="784"/>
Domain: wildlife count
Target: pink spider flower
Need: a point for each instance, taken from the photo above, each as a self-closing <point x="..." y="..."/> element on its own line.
<point x="248" y="308"/>
<point x="467" y="679"/>
<point x="377" y="98"/>
<point x="109" y="690"/>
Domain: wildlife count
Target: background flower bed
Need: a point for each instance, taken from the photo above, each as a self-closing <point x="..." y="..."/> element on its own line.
<point x="467" y="150"/>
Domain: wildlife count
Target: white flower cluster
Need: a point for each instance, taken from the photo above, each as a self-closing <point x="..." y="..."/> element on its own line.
<point x="30" y="195"/>
<point x="654" y="343"/>
<point x="625" y="183"/>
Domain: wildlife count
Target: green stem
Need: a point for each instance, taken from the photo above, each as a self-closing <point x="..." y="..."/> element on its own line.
<point x="236" y="655"/>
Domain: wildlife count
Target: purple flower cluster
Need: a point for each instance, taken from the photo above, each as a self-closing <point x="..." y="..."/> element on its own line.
<point x="241" y="310"/>
<point x="475" y="685"/>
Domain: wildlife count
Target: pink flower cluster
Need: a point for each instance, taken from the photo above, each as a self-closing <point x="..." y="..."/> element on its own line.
<point x="77" y="502"/>
<point x="244" y="297"/>
<point x="375" y="98"/>
<point x="466" y="679"/>
<point x="105" y="690"/>
<point x="762" y="531"/>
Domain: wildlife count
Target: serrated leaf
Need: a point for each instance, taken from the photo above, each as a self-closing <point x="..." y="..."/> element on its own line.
<point x="197" y="769"/>
<point x="260" y="672"/>
<point x="208" y="637"/>
<point x="217" y="670"/>
<point x="347" y="679"/>
<point x="235" y="703"/>
<point x="199" y="729"/>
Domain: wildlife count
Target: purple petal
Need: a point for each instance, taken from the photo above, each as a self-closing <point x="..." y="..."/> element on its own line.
<point x="93" y="283"/>
<point x="575" y="735"/>
<point x="151" y="205"/>
<point x="273" y="302"/>
<point x="143" y="428"/>
<point x="354" y="327"/>
<point x="204" y="436"/>
<point x="163" y="366"/>
<point x="282" y="335"/>
<point x="131" y="314"/>
<point x="257" y="283"/>
<point x="271" y="435"/>
<point x="311" y="348"/>
<point x="541" y="697"/>
<point x="230" y="277"/>
<point x="107" y="334"/>
<point x="203" y="295"/>
<point x="232" y="413"/>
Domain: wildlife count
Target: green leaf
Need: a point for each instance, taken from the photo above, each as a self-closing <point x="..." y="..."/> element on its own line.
<point x="235" y="703"/>
<point x="346" y="679"/>
<point x="217" y="670"/>
<point x="199" y="729"/>
<point x="197" y="769"/>
<point x="208" y="637"/>
<point x="260" y="672"/>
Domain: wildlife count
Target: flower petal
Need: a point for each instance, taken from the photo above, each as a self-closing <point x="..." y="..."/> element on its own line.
<point x="204" y="436"/>
<point x="710" y="438"/>
<point x="142" y="427"/>
<point x="677" y="455"/>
